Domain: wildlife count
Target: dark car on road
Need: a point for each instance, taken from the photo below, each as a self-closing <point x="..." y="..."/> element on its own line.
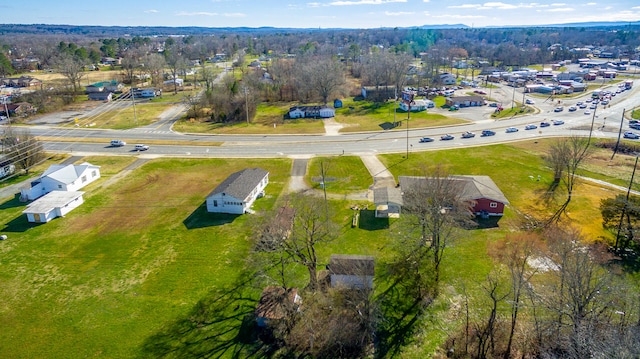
<point x="487" y="133"/>
<point x="425" y="139"/>
<point x="468" y="135"/>
<point x="446" y="137"/>
<point x="544" y="124"/>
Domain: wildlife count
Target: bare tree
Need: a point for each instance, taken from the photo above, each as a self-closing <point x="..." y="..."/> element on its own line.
<point x="23" y="148"/>
<point x="515" y="252"/>
<point x="578" y="296"/>
<point x="176" y="63"/>
<point x="433" y="211"/>
<point x="320" y="77"/>
<point x="298" y="238"/>
<point x="154" y="65"/>
<point x="565" y="157"/>
<point x="334" y="324"/>
<point x="71" y="68"/>
<point x="130" y="63"/>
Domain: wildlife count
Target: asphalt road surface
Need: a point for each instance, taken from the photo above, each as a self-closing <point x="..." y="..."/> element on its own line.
<point x="606" y="123"/>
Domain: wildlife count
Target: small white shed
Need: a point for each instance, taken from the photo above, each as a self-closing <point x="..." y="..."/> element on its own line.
<point x="53" y="204"/>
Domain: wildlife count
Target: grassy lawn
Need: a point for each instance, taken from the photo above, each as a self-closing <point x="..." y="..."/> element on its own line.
<point x="343" y="174"/>
<point x="141" y="270"/>
<point x="509" y="112"/>
<point x="125" y="118"/>
<point x="269" y="119"/>
<point x="116" y="269"/>
<point x="370" y="116"/>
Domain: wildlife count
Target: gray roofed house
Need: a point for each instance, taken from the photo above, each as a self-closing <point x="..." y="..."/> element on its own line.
<point x="351" y="271"/>
<point x="483" y="194"/>
<point x="236" y="193"/>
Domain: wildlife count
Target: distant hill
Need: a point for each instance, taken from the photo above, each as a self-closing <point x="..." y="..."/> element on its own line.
<point x="595" y="24"/>
<point x="116" y="31"/>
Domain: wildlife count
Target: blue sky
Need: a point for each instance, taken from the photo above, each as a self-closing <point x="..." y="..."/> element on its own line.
<point x="314" y="14"/>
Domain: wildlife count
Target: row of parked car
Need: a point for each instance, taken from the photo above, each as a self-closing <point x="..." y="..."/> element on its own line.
<point x="486" y="133"/>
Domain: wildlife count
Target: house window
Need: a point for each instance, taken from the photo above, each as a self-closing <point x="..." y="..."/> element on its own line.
<point x="493" y="205"/>
<point x="84" y="179"/>
<point x="215" y="203"/>
<point x="59" y="186"/>
<point x="94" y="173"/>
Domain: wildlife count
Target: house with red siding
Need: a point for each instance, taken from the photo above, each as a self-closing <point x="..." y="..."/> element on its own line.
<point x="481" y="192"/>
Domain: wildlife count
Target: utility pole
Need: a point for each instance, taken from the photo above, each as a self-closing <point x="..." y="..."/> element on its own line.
<point x="626" y="203"/>
<point x="615" y="149"/>
<point x="133" y="101"/>
<point x="246" y="103"/>
<point x="593" y="119"/>
<point x="407" y="98"/>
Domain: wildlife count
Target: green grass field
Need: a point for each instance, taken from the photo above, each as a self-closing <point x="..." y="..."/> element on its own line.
<point x="142" y="270"/>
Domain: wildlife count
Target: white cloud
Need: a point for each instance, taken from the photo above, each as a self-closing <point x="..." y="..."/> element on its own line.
<point x="561" y="9"/>
<point x="400" y="13"/>
<point x="500" y="5"/>
<point x="454" y="16"/>
<point x="235" y="14"/>
<point x="591" y="4"/>
<point x="425" y="0"/>
<point x="196" y="13"/>
<point x="364" y="2"/>
<point x="152" y="11"/>
<point x="465" y="6"/>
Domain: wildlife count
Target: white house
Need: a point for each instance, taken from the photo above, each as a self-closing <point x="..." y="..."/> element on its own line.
<point x="236" y="193"/>
<point x="351" y="271"/>
<point x="447" y="79"/>
<point x="178" y="82"/>
<point x="311" y="112"/>
<point x="61" y="178"/>
<point x="417" y="105"/>
<point x="53" y="204"/>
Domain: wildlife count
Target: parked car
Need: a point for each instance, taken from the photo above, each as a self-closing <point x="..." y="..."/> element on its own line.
<point x="572" y="109"/>
<point x="453" y="108"/>
<point x="544" y="124"/>
<point x="584" y="105"/>
<point x="141" y="147"/>
<point x="117" y="143"/>
<point x="511" y="129"/>
<point x="468" y="135"/>
<point x="493" y="104"/>
<point x="631" y="135"/>
<point x="558" y="122"/>
<point x="480" y="92"/>
<point x="593" y="106"/>
<point x="579" y="103"/>
<point x="446" y="137"/>
<point x="529" y="102"/>
<point x="425" y="139"/>
<point x="635" y="126"/>
<point x="487" y="133"/>
<point x="558" y="109"/>
<point x="530" y="127"/>
<point x="587" y="112"/>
